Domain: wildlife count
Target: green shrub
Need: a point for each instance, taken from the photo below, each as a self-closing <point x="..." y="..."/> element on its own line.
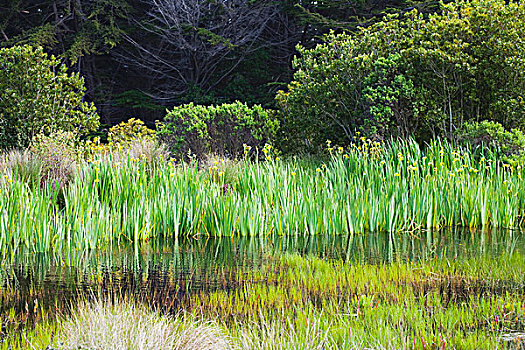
<point x="411" y="74"/>
<point x="221" y="129"/>
<point x="39" y="96"/>
<point x="511" y="144"/>
<point x="130" y="131"/>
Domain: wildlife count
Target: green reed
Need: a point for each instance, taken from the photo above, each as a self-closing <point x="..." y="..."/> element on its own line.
<point x="368" y="187"/>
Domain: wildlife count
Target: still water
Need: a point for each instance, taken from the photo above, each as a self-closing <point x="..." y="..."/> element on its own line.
<point x="163" y="273"/>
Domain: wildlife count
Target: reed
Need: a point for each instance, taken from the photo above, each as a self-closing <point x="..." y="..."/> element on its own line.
<point x="366" y="188"/>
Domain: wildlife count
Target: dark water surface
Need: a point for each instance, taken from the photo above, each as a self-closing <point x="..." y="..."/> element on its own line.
<point x="164" y="272"/>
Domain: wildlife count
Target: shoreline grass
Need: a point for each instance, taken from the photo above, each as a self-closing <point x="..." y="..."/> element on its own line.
<point x="366" y="188"/>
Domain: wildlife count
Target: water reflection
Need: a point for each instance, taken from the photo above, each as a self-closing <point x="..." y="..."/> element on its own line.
<point x="166" y="271"/>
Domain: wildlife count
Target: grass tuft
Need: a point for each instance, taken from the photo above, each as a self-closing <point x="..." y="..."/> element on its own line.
<point x="125" y="325"/>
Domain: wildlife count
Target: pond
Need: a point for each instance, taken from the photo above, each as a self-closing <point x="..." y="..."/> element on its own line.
<point x="173" y="269"/>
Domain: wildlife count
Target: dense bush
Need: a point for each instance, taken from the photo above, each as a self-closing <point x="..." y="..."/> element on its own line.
<point x="39" y="96"/>
<point x="129" y="141"/>
<point x="130" y="131"/>
<point x="221" y="129"/>
<point x="509" y="144"/>
<point x="411" y="74"/>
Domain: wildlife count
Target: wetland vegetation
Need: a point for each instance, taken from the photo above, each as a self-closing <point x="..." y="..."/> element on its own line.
<point x="235" y="223"/>
<point x="368" y="187"/>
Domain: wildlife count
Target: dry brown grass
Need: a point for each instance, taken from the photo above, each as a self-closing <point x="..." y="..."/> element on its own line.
<point x="128" y="326"/>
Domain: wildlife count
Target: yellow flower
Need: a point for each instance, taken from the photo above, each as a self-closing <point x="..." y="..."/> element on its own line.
<point x="97" y="180"/>
<point x="292" y="173"/>
<point x="345" y="156"/>
<point x="397" y="174"/>
<point x="278" y="158"/>
<point x="318" y="170"/>
<point x="221" y="173"/>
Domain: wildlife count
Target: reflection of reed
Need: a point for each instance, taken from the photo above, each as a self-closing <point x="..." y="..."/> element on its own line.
<point x="174" y="277"/>
<point x="472" y="292"/>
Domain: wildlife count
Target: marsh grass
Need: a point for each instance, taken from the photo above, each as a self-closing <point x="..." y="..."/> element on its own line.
<point x="21" y="164"/>
<point x="366" y="188"/>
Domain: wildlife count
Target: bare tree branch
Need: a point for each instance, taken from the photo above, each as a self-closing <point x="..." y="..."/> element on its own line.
<point x="198" y="42"/>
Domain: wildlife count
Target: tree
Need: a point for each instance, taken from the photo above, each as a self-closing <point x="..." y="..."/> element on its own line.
<point x="412" y="74"/>
<point x="187" y="43"/>
<point x="80" y="32"/>
<point x="37" y="95"/>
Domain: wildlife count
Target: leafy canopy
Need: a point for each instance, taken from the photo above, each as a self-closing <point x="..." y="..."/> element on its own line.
<point x="39" y="96"/>
<point x="411" y="74"/>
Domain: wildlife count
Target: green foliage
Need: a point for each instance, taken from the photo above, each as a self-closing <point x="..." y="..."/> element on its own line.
<point x="85" y="27"/>
<point x="221" y="129"/>
<point x="130" y="131"/>
<point x="135" y="99"/>
<point x="511" y="144"/>
<point x="411" y="74"/>
<point x="38" y="96"/>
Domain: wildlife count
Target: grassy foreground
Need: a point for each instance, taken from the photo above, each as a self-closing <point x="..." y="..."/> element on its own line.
<point x="368" y="187"/>
<point x="295" y="302"/>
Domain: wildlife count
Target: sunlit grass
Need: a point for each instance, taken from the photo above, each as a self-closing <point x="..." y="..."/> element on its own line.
<point x="368" y="187"/>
